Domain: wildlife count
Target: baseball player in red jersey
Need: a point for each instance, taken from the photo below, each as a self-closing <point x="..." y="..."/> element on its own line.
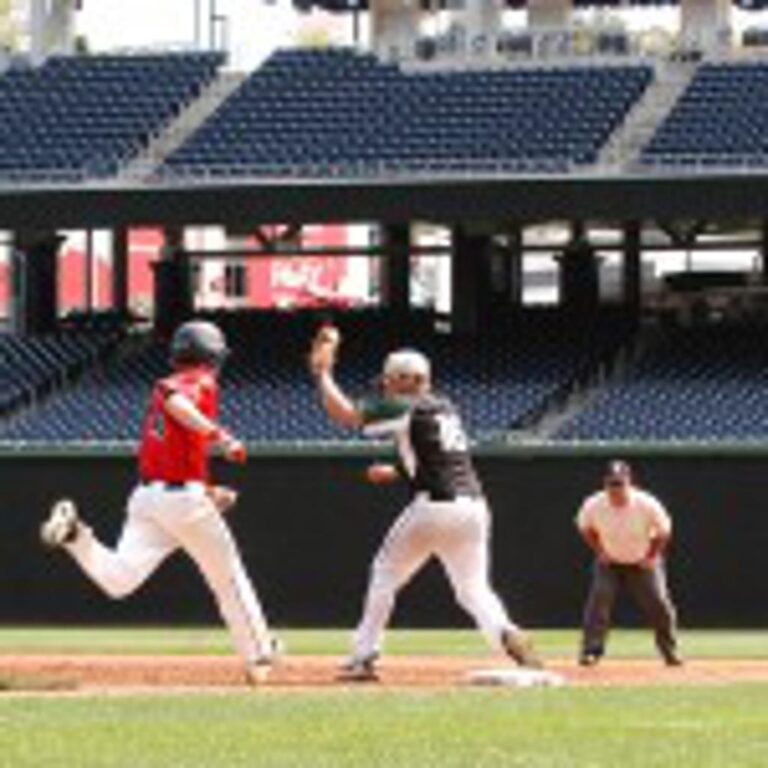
<point x="174" y="506"/>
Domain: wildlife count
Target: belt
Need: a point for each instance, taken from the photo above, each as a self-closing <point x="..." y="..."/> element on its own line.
<point x="168" y="486"/>
<point x="442" y="498"/>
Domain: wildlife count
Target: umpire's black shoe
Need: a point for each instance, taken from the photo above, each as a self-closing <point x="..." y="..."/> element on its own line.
<point x="519" y="648"/>
<point x="589" y="659"/>
<point x="672" y="659"/>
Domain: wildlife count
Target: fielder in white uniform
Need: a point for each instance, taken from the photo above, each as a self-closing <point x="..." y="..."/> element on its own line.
<point x="447" y="517"/>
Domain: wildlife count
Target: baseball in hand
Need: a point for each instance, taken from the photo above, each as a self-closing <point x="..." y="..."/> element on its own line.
<point x="325" y="346"/>
<point x="329" y="334"/>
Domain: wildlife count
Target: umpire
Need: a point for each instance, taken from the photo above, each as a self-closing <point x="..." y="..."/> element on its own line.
<point x="628" y="530"/>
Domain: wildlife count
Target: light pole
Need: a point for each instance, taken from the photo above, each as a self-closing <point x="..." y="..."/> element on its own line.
<point x="198" y="13"/>
<point x="213" y="17"/>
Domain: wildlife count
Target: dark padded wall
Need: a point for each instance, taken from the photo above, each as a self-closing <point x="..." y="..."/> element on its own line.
<point x="309" y="525"/>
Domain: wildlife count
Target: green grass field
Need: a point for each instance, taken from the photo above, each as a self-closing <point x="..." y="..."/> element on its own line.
<point x="715" y="726"/>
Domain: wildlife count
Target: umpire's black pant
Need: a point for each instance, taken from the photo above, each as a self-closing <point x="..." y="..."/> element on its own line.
<point x="649" y="588"/>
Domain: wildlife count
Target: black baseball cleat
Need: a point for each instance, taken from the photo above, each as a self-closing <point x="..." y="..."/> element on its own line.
<point x="359" y="669"/>
<point x="589" y="659"/>
<point x="673" y="660"/>
<point x="62" y="525"/>
<point x="519" y="648"/>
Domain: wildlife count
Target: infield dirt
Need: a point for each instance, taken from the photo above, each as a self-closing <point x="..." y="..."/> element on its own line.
<point x="167" y="673"/>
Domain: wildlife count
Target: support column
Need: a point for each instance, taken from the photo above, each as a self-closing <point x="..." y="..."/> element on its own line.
<point x="579" y="278"/>
<point x="705" y="24"/>
<point x="515" y="239"/>
<point x="764" y="251"/>
<point x="632" y="268"/>
<point x="51" y="28"/>
<point x="469" y="280"/>
<point x="34" y="278"/>
<point x="396" y="268"/>
<point x="120" y="270"/>
<point x="89" y="300"/>
<point x="394" y="27"/>
<point x="482" y="19"/>
<point x="173" y="288"/>
<point x="498" y="278"/>
<point x="549" y="15"/>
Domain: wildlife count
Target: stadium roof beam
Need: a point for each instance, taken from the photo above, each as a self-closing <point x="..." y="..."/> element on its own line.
<point x="716" y="196"/>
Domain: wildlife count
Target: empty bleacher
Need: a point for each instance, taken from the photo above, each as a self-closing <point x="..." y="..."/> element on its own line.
<point x="700" y="384"/>
<point x="30" y="367"/>
<point x="325" y="112"/>
<point x="721" y="119"/>
<point x="498" y="379"/>
<point x="86" y="115"/>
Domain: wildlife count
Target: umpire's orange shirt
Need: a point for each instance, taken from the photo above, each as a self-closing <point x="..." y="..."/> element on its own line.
<point x="625" y="532"/>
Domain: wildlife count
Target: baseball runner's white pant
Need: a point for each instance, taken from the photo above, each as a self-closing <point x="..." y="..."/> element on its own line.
<point x="458" y="534"/>
<point x="161" y="520"/>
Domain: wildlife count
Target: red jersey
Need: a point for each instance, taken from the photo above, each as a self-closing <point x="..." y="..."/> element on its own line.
<point x="169" y="451"/>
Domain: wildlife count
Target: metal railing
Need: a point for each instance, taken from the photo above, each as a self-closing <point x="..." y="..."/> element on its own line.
<point x="662" y="165"/>
<point x="514" y="447"/>
<point x="700" y="163"/>
<point x="205" y="174"/>
<point x="369" y="170"/>
<point x="461" y="47"/>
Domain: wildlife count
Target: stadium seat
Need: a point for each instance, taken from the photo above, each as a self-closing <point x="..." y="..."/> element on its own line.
<point x="701" y="384"/>
<point x="317" y="111"/>
<point x="30" y="367"/>
<point x="499" y="379"/>
<point x="87" y="115"/>
<point x="721" y="119"/>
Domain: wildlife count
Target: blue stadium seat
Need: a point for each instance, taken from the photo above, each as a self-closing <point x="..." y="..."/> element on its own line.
<point x="90" y="114"/>
<point x="499" y="379"/>
<point x="692" y="384"/>
<point x="721" y="119"/>
<point x="30" y="367"/>
<point x="343" y="110"/>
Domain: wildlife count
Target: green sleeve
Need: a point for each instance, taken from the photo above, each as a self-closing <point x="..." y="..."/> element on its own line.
<point x="376" y="409"/>
<point x="384" y="417"/>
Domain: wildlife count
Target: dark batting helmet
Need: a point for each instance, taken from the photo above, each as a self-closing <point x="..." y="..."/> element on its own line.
<point x="198" y="342"/>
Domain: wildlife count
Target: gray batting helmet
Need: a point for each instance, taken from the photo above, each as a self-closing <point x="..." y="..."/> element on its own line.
<point x="198" y="342"/>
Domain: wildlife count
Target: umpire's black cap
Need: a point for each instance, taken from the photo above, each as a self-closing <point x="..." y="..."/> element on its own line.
<point x="618" y="471"/>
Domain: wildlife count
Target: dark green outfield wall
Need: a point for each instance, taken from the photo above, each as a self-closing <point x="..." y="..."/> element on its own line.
<point x="308" y="526"/>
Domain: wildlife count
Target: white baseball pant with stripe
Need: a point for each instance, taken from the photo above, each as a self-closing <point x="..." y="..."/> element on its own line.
<point x="161" y="520"/>
<point x="458" y="534"/>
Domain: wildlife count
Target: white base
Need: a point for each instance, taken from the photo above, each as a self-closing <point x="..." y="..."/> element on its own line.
<point x="516" y="678"/>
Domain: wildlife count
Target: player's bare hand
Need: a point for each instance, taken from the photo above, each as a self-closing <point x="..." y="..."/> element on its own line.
<point x="382" y="474"/>
<point x="648" y="563"/>
<point x="223" y="498"/>
<point x="234" y="450"/>
<point x="324" y="350"/>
